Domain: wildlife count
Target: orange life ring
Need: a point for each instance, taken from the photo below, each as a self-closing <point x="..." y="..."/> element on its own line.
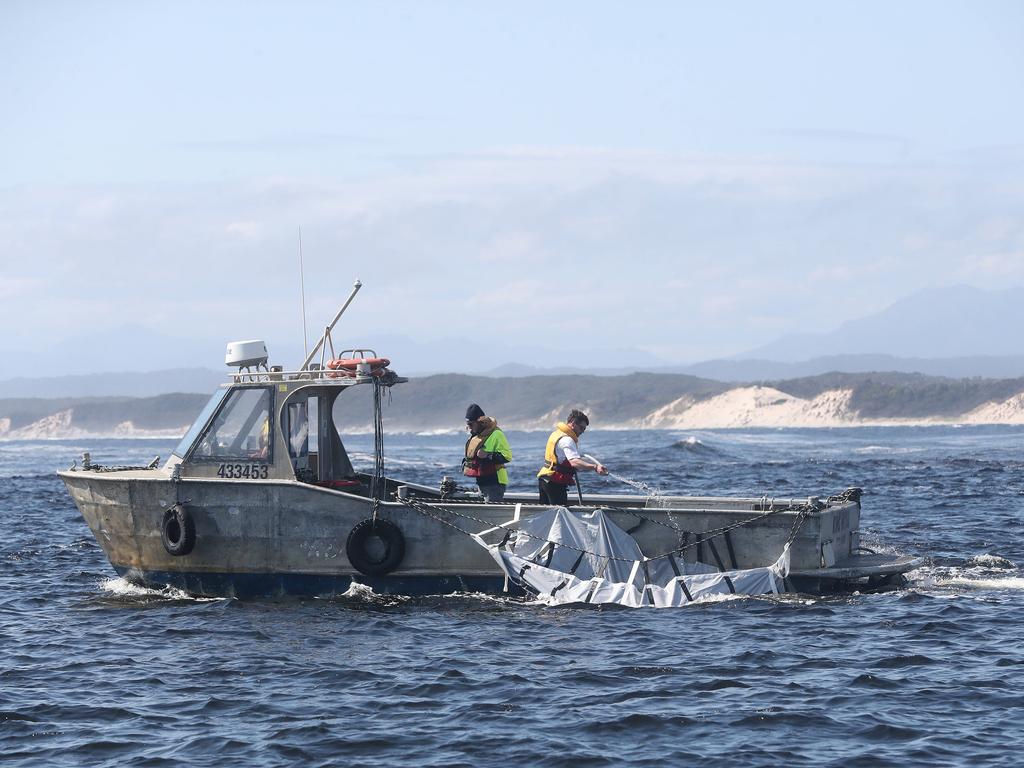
<point x="349" y="366"/>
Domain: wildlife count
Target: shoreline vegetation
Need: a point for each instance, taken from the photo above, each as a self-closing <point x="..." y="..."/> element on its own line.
<point x="639" y="401"/>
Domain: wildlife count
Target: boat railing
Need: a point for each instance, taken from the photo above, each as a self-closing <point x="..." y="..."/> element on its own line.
<point x="336" y="378"/>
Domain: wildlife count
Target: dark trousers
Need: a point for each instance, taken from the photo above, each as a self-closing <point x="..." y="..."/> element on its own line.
<point x="554" y="494"/>
<point x="490" y="488"/>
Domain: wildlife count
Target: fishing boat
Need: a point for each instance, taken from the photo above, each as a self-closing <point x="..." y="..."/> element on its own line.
<point x="260" y="498"/>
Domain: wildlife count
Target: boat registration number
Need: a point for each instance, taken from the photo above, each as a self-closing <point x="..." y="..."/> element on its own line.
<point x="243" y="471"/>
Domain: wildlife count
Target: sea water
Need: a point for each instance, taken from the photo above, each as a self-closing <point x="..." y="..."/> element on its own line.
<point x="95" y="671"/>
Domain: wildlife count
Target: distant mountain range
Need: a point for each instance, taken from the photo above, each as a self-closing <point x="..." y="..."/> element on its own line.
<point x="957" y="332"/>
<point x="733" y="370"/>
<point x="952" y="322"/>
<point x="204" y="380"/>
<point x="127" y="384"/>
<point x="131" y="348"/>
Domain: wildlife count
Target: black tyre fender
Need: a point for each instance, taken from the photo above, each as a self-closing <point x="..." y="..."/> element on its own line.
<point x="178" y="531"/>
<point x="364" y="560"/>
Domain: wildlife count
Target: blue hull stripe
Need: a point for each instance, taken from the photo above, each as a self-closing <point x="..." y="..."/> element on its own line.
<point x="254" y="585"/>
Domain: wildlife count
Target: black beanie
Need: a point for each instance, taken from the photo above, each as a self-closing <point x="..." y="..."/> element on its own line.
<point x="474" y="412"/>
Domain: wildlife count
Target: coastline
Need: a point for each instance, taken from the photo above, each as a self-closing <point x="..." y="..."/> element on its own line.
<point x="741" y="407"/>
<point x="164" y="435"/>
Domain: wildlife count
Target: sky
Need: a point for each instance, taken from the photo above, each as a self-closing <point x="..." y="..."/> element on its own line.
<point x="677" y="180"/>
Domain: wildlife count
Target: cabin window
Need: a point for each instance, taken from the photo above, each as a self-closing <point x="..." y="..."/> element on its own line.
<point x="241" y="430"/>
<point x="199" y="423"/>
<point x="301" y="429"/>
<point x="298" y="430"/>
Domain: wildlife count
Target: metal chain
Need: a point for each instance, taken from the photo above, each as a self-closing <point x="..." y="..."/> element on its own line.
<point x="422" y="507"/>
<point x="713" y="532"/>
<point x="113" y="468"/>
<point x="377" y="482"/>
<point x="707" y="536"/>
<point x="804" y="513"/>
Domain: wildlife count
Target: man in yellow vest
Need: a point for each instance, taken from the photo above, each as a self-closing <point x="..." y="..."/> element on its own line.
<point x="562" y="460"/>
<point x="487" y="453"/>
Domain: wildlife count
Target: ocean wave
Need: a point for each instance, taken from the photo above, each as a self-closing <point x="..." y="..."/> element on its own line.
<point x="990" y="561"/>
<point x="697" y="447"/>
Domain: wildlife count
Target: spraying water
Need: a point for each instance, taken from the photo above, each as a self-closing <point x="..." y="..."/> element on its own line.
<point x="656" y="498"/>
<point x="652" y="494"/>
<point x="641" y="486"/>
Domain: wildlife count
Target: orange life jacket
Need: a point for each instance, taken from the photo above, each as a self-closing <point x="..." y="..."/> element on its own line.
<point x="471" y="465"/>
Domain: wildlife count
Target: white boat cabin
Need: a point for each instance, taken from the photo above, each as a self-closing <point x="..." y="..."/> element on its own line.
<point x="266" y="424"/>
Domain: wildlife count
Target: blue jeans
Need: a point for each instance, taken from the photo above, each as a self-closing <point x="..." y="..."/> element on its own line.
<point x="491" y="489"/>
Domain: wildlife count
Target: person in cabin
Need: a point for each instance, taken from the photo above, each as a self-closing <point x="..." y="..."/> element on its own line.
<point x="487" y="453"/>
<point x="562" y="460"/>
<point x="264" y="445"/>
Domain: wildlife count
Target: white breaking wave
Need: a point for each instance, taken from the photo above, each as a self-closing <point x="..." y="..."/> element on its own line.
<point x="121" y="588"/>
<point x="355" y="589"/>
<point x="986" y="571"/>
<point x="991" y="561"/>
<point x="363" y="593"/>
<point x="1000" y="583"/>
<point x="365" y="458"/>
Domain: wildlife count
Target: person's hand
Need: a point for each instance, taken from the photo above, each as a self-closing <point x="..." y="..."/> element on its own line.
<point x="482" y="454"/>
<point x="601" y="469"/>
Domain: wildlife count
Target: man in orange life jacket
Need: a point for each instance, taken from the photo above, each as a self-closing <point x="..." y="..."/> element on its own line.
<point x="562" y="460"/>
<point x="487" y="453"/>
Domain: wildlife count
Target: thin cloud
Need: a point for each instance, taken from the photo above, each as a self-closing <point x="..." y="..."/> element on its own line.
<point x="287" y="142"/>
<point x="903" y="144"/>
<point x="659" y="251"/>
<point x="993" y="265"/>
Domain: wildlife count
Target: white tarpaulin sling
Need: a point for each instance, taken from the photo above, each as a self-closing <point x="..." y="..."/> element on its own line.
<point x="573" y="557"/>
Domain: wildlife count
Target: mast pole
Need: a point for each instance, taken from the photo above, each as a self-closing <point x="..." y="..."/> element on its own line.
<point x="302" y="291"/>
<point x="355" y="289"/>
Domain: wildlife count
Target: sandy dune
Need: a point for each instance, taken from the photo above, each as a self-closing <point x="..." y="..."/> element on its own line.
<point x="756" y="407"/>
<point x="767" y="407"/>
<point x="1010" y="411"/>
<point x="61" y="426"/>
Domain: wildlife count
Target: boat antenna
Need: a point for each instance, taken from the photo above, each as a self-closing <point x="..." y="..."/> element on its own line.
<point x="302" y="292"/>
<point x="327" y="331"/>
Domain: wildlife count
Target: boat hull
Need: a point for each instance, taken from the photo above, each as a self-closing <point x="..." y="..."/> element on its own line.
<point x="265" y="538"/>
